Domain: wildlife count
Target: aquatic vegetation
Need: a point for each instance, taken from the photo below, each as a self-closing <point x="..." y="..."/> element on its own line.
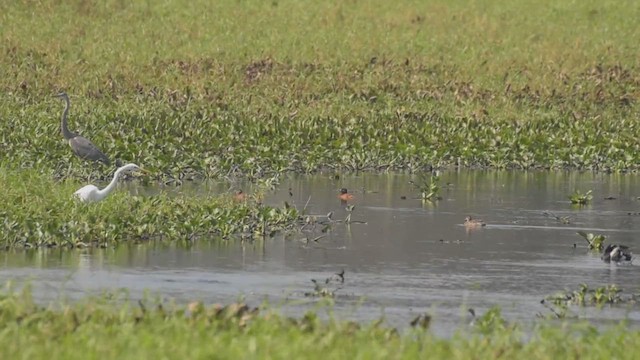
<point x="580" y="198"/>
<point x="428" y="187"/>
<point x="519" y="88"/>
<point x="423" y="321"/>
<point x="585" y="296"/>
<point x="112" y="327"/>
<point x="328" y="287"/>
<point x="40" y="212"/>
<point x="612" y="252"/>
<point x="596" y="242"/>
<point x="560" y="219"/>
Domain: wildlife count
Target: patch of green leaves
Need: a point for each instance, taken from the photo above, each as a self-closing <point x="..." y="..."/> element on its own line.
<point x="428" y="187"/>
<point x="596" y="242"/>
<point x="289" y="92"/>
<point x="585" y="296"/>
<point x="579" y="198"/>
<point x="42" y="213"/>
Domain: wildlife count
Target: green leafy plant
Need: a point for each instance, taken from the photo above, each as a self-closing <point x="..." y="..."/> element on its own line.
<point x="585" y="296"/>
<point x="596" y="242"/>
<point x="428" y="187"/>
<point x="580" y="198"/>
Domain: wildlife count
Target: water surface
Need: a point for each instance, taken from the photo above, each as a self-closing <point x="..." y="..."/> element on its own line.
<point x="410" y="257"/>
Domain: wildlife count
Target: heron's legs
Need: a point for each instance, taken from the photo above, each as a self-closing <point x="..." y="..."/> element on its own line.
<point x="69" y="170"/>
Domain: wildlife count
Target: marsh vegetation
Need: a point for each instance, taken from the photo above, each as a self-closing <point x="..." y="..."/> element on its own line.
<point x="100" y="327"/>
<point x="194" y="90"/>
<point x="300" y="87"/>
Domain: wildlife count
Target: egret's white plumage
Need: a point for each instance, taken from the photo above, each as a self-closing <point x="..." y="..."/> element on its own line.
<point x="91" y="193"/>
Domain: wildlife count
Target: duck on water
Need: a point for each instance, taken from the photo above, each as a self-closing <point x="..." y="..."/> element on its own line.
<point x="616" y="253"/>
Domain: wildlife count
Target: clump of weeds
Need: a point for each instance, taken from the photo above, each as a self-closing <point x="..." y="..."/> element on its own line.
<point x="328" y="287"/>
<point x="579" y="198"/>
<point x="428" y="187"/>
<point x="561" y="219"/>
<point x="594" y="241"/>
<point x="586" y="296"/>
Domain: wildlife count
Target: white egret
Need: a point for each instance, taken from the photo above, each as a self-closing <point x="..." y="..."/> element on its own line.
<point x="80" y="145"/>
<point x="91" y="193"/>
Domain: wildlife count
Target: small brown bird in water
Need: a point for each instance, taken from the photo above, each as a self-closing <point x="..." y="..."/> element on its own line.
<point x="344" y="195"/>
<point x="240" y="196"/>
<point x="471" y="222"/>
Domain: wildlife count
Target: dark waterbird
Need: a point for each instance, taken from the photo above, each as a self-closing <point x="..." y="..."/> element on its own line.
<point x="616" y="253"/>
<point x="81" y="146"/>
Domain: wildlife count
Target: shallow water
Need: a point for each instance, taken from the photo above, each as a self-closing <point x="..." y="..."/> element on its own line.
<point x="409" y="257"/>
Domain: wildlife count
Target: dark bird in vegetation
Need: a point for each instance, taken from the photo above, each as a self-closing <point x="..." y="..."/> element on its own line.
<point x="471" y="222"/>
<point x="81" y="146"/>
<point x="616" y="253"/>
<point x="344" y="195"/>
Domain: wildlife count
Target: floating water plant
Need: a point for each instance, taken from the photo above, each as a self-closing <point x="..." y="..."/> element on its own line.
<point x="560" y="219"/>
<point x="328" y="287"/>
<point x="585" y="296"/>
<point x="595" y="241"/>
<point x="428" y="187"/>
<point x="579" y="198"/>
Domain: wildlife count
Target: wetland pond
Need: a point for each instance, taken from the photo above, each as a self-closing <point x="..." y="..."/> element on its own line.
<point x="408" y="258"/>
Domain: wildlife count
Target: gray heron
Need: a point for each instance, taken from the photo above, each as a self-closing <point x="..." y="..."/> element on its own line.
<point x="81" y="146"/>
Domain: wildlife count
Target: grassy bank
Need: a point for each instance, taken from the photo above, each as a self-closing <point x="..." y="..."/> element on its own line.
<point x="98" y="328"/>
<point x="40" y="212"/>
<point x="196" y="89"/>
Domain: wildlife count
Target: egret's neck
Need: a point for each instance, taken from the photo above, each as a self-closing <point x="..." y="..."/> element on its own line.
<point x="65" y="130"/>
<point x="104" y="192"/>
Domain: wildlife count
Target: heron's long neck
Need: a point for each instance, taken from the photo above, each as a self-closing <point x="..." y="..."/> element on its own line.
<point x="65" y="130"/>
<point x="104" y="192"/>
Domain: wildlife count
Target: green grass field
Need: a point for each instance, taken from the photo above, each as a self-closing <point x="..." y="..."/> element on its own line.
<point x="196" y="88"/>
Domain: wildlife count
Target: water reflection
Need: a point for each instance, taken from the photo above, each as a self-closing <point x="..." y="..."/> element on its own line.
<point x="409" y="257"/>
